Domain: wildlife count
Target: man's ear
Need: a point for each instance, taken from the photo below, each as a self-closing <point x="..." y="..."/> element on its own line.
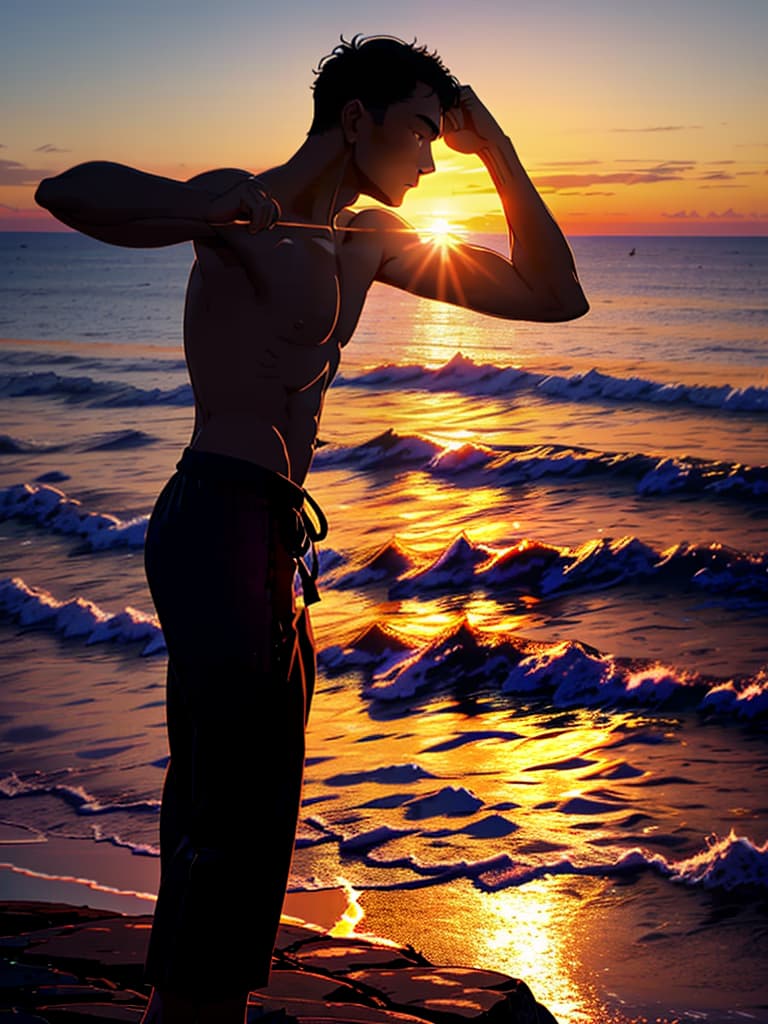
<point x="352" y="113"/>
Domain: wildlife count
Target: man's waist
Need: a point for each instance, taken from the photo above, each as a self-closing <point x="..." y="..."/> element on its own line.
<point x="206" y="465"/>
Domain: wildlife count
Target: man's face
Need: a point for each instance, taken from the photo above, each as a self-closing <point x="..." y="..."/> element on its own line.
<point x="391" y="156"/>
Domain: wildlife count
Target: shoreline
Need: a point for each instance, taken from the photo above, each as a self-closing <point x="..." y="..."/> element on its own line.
<point x="578" y="948"/>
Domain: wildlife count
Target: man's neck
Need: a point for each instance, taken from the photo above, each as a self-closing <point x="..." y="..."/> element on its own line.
<point x="316" y="182"/>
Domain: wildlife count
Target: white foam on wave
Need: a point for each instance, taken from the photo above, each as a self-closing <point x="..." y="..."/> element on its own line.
<point x="31" y="606"/>
<point x="569" y="674"/>
<point x="546" y="570"/>
<point x="726" y="863"/>
<point x="729" y="864"/>
<point x="78" y="798"/>
<point x="103" y="393"/>
<point x="514" y="465"/>
<point x="50" y="507"/>
<point x="465" y="376"/>
<point x="388" y="449"/>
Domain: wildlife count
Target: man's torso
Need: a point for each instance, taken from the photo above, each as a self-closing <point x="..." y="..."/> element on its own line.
<point x="266" y="317"/>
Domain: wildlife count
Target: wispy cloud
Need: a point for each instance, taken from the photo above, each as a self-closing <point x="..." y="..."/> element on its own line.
<point x="569" y="163"/>
<point x="476" y="190"/>
<point x="561" y="181"/>
<point x="14" y="173"/>
<point x="593" y="193"/>
<point x="658" y="166"/>
<point x="660" y="128"/>
<point x="729" y="214"/>
<point x="48" y="147"/>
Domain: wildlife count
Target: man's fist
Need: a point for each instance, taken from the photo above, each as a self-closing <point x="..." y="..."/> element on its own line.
<point x="470" y="126"/>
<point x="246" y="201"/>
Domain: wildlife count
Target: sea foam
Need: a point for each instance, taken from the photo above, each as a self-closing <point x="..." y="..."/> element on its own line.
<point x="31" y="606"/>
<point x="467" y="377"/>
<point x="50" y="507"/>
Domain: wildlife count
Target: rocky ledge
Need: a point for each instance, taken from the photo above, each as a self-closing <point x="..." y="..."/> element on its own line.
<point x="65" y="965"/>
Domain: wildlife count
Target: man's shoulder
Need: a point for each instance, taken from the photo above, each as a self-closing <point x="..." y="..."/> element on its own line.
<point x="371" y="218"/>
<point x="376" y="227"/>
<point x="220" y="178"/>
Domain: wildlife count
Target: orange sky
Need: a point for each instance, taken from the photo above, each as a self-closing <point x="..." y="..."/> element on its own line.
<point x="631" y="119"/>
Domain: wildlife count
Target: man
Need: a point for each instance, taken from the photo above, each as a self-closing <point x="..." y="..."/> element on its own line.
<point x="281" y="273"/>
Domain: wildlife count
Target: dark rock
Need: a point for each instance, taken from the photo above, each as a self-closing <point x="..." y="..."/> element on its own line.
<point x="25" y="915"/>
<point x="307" y="1011"/>
<point x="14" y="975"/>
<point x="89" y="1013"/>
<point x="15" y="1017"/>
<point x="116" y="945"/>
<point x="67" y="965"/>
<point x="345" y="955"/>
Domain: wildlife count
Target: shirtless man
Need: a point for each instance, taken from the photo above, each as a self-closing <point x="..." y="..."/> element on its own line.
<point x="281" y="272"/>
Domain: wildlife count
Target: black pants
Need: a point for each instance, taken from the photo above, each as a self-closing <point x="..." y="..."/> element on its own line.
<point x="220" y="560"/>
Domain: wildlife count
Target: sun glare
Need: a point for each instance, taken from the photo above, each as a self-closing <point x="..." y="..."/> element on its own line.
<point x="440" y="231"/>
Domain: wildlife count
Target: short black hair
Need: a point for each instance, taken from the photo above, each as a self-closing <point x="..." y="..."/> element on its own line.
<point x="378" y="71"/>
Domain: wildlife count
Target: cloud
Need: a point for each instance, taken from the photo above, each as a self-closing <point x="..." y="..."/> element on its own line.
<point x="716" y="176"/>
<point x="660" y="128"/>
<point x="477" y="190"/>
<point x="14" y="173"/>
<point x="569" y="163"/>
<point x="490" y="222"/>
<point x="595" y="193"/>
<point x="50" y="148"/>
<point x="729" y="214"/>
<point x="561" y="181"/>
<point x="683" y="215"/>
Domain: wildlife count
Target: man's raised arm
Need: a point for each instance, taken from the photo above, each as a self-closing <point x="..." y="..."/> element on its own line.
<point x="537" y="282"/>
<point x="124" y="206"/>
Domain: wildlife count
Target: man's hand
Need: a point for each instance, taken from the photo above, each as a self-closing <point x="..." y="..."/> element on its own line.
<point x="470" y="126"/>
<point x="245" y="201"/>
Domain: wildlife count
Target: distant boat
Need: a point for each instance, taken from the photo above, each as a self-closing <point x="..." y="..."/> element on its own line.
<point x="632" y="251"/>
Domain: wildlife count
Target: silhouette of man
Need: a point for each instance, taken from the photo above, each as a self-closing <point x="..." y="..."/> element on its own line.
<point x="281" y="272"/>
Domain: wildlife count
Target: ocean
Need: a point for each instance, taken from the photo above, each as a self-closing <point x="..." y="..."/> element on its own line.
<point x="538" y="740"/>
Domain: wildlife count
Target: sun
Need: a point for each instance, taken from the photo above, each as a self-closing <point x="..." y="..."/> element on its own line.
<point x="440" y="231"/>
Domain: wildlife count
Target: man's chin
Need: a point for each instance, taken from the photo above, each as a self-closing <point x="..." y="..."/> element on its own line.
<point x="367" y="187"/>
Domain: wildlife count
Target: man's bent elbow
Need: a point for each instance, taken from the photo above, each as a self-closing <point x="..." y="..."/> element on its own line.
<point x="572" y="310"/>
<point x="43" y="193"/>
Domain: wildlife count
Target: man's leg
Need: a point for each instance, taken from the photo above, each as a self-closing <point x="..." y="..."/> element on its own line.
<point x="213" y="580"/>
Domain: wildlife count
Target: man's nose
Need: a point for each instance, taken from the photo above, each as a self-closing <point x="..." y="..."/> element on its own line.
<point x="427" y="164"/>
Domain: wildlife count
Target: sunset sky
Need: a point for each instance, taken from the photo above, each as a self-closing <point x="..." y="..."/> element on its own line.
<point x="632" y="118"/>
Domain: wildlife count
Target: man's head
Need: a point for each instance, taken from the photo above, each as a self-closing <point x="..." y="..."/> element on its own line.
<point x="387" y="98"/>
<point x="378" y="71"/>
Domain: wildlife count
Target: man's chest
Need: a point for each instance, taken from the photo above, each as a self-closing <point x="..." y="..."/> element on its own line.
<point x="304" y="285"/>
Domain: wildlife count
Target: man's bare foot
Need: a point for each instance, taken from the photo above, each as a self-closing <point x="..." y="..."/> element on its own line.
<point x="170" y="1008"/>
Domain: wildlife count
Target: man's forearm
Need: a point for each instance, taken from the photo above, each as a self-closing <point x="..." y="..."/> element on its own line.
<point x="128" y="207"/>
<point x="538" y="249"/>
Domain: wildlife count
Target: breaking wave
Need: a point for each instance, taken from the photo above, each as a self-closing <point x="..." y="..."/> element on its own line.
<point x="513" y="465"/>
<point x="488" y="380"/>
